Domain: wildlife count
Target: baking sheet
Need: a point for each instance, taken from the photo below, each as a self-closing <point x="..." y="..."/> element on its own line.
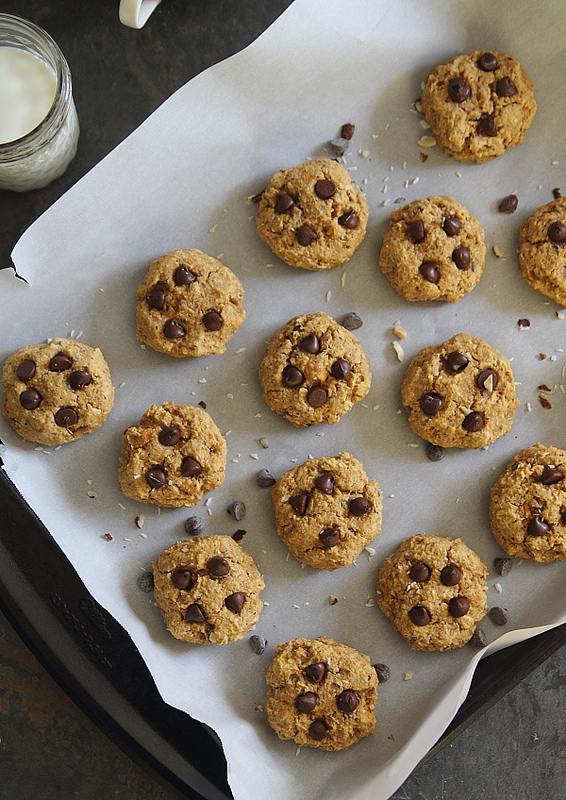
<point x="182" y="180"/>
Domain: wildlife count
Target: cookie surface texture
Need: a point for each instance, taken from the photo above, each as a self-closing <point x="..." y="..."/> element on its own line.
<point x="542" y="250"/>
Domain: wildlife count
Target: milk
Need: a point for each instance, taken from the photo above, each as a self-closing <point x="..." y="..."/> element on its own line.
<point x="27" y="91"/>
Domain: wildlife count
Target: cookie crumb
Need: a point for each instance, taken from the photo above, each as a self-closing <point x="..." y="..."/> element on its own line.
<point x="497" y="251"/>
<point x="107" y="537"/>
<point x="427" y="142"/>
<point x="332" y="600"/>
<point x="399" y="331"/>
<point x="91" y="494"/>
<point x="370" y="602"/>
<point x="423" y="157"/>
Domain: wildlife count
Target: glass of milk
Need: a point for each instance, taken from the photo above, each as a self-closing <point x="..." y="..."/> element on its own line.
<point x="39" y="128"/>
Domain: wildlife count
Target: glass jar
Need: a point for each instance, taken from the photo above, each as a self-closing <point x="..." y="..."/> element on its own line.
<point x="43" y="154"/>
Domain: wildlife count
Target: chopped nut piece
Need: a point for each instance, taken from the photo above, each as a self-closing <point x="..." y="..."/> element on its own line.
<point x="263" y="442"/>
<point x="399" y="331"/>
<point x="332" y="600"/>
<point x="399" y="352"/>
<point x="497" y="251"/>
<point x="427" y="141"/>
<point x="407" y="676"/>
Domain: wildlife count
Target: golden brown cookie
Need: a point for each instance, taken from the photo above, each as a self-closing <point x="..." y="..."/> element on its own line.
<point x="527" y="508"/>
<point x="434" y="591"/>
<point x="326" y="511"/>
<point x="57" y="392"/>
<point x="173" y="456"/>
<point x="434" y="249"/>
<point x="542" y="250"/>
<point x="321" y="694"/>
<point x="479" y="105"/>
<point x="460" y="393"/>
<point x="312" y="215"/>
<point x="208" y="590"/>
<point x="314" y="371"/>
<point x="188" y="304"/>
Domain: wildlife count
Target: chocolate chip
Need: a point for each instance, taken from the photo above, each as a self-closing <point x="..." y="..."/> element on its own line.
<point x="306" y="702"/>
<point x="458" y="90"/>
<point x="419" y="615"/>
<point x="265" y="479"/>
<point x="194" y="613"/>
<point x="349" y="220"/>
<point x="257" y="197"/>
<point x="193" y="526"/>
<point x="325" y="482"/>
<point x="212" y="320"/>
<point x="563" y="516"/>
<point x="235" y="602"/>
<point x="25" y="370"/>
<point x="340" y="369"/>
<point x="238" y="535"/>
<point x="156" y="477"/>
<point x="317" y="396"/>
<point x="316" y="672"/>
<point x="310" y="344"/>
<point x="169" y="436"/>
<point x="451" y="226"/>
<point x="458" y="606"/>
<point x="218" y="567"/>
<point x="155" y="298"/>
<point x="462" y="257"/>
<point x="524" y="323"/>
<point x="299" y="503"/>
<point x="488" y="62"/>
<point x="551" y="475"/>
<point x="80" y="379"/>
<point x="257" y="644"/>
<point x="473" y="422"/>
<point x="487" y="126"/>
<point x="487" y="380"/>
<point x="305" y="235"/>
<point x="557" y="232"/>
<point x="419" y="572"/>
<point x="202" y="404"/>
<point x="347" y="130"/>
<point x="429" y="271"/>
<point x="415" y="231"/>
<point x="292" y="377"/>
<point x="509" y="204"/>
<point x="329" y="537"/>
<point x="30" y="399"/>
<point x="351" y="321"/>
<point x="283" y="202"/>
<point x="359" y="506"/>
<point x="456" y="362"/>
<point x="182" y="578"/>
<point x="383" y="672"/>
<point x="431" y="403"/>
<point x="556" y="193"/>
<point x="183" y="276"/>
<point x="325" y="189"/>
<point x="190" y="467"/>
<point x="434" y="452"/>
<point x="451" y="575"/>
<point x="498" y="615"/>
<point x="479" y="639"/>
<point x="538" y="526"/>
<point x="347" y="701"/>
<point x="145" y="582"/>
<point x="505" y="87"/>
<point x="237" y="510"/>
<point x="503" y="566"/>
<point x="173" y="329"/>
<point x="60" y="362"/>
<point x="319" y="729"/>
<point x="66" y="416"/>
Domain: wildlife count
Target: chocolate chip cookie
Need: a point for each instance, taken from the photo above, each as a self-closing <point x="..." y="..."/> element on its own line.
<point x="326" y="511"/>
<point x="57" y="392"/>
<point x="528" y="505"/>
<point x="208" y="590"/>
<point x="312" y="215"/>
<point x="434" y="591"/>
<point x="434" y="249"/>
<point x="189" y="304"/>
<point x="479" y="105"/>
<point x="460" y="393"/>
<point x="542" y="250"/>
<point x="321" y="694"/>
<point x="314" y="371"/>
<point x="173" y="456"/>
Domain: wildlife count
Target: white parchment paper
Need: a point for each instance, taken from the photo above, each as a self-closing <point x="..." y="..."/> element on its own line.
<point x="181" y="180"/>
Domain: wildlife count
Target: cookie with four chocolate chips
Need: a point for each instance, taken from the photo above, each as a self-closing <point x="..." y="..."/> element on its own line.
<point x="434" y="591"/>
<point x="312" y="215"/>
<point x="208" y="590"/>
<point x="542" y="250"/>
<point x="527" y="506"/>
<point x="321" y="694"/>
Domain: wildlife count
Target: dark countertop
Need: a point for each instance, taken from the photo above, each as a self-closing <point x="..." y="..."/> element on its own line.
<point x="48" y="748"/>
